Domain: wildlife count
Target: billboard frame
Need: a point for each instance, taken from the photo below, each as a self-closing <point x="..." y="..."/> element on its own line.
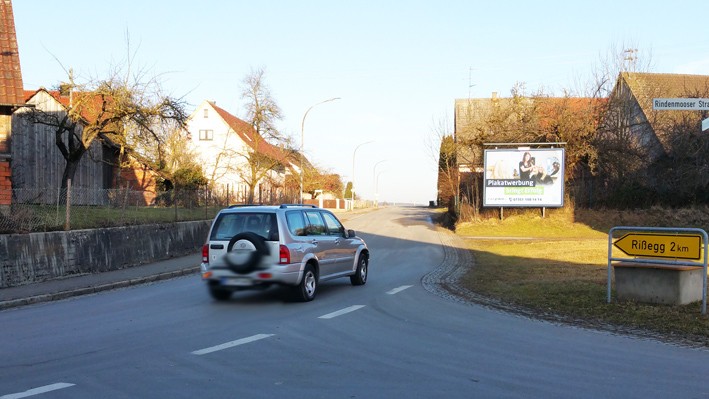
<point x="532" y="198"/>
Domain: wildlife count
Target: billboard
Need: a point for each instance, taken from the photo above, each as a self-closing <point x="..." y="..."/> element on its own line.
<point x="524" y="177"/>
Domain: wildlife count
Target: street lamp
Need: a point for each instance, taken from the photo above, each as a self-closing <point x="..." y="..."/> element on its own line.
<point x="374" y="174"/>
<point x="376" y="187"/>
<point x="354" y="153"/>
<point x="302" y="140"/>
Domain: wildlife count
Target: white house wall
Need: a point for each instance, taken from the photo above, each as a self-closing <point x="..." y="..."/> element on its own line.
<point x="221" y="170"/>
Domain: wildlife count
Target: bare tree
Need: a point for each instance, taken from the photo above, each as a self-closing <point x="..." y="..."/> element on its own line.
<point x="621" y="57"/>
<point x="443" y="149"/>
<point x="262" y="112"/>
<point x="447" y="172"/>
<point x="263" y="158"/>
<point x="621" y="156"/>
<point x="109" y="110"/>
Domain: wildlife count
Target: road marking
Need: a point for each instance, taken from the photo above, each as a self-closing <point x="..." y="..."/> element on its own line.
<point x="341" y="312"/>
<point x="399" y="289"/>
<point x="37" y="391"/>
<point x="232" y="344"/>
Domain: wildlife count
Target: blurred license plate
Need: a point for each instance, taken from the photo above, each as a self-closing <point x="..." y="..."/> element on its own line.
<point x="236" y="282"/>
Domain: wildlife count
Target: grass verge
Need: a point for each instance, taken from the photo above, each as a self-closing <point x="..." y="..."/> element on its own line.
<point x="556" y="268"/>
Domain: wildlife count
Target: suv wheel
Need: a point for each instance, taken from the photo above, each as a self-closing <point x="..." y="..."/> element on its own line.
<point x="360" y="276"/>
<point x="248" y="253"/>
<point x="308" y="287"/>
<point x="219" y="294"/>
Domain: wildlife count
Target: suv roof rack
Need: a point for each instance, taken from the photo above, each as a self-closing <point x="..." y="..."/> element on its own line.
<point x="242" y="205"/>
<point x="305" y="205"/>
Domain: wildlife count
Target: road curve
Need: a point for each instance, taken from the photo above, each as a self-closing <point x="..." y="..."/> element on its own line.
<point x="400" y="335"/>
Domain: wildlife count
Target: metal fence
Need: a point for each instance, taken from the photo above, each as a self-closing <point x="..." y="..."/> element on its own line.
<point x="41" y="209"/>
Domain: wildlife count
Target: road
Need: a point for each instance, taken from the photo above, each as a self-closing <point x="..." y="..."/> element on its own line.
<point x="389" y="338"/>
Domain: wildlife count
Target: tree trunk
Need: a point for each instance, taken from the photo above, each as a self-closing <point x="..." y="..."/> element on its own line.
<point x="69" y="172"/>
<point x="250" y="195"/>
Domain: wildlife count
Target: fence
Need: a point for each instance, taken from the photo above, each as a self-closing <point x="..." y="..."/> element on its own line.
<point x="41" y="209"/>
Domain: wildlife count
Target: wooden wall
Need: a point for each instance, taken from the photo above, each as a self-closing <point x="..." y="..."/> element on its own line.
<point x="37" y="163"/>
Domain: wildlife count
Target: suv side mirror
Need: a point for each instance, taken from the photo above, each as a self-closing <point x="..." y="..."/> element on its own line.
<point x="351" y="234"/>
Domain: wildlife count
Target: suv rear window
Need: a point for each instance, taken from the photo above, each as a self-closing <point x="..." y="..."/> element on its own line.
<point x="228" y="225"/>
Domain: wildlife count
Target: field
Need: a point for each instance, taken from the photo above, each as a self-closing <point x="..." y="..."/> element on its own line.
<point x="556" y="268"/>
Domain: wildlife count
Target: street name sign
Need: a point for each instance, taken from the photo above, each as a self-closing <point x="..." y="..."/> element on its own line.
<point x="680" y="104"/>
<point x="651" y="245"/>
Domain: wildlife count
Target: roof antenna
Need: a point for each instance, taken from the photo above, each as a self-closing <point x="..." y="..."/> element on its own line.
<point x="631" y="57"/>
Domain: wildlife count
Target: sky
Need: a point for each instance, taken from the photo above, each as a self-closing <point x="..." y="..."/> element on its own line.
<point x="396" y="66"/>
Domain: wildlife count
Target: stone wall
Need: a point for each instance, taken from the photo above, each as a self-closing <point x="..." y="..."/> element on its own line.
<point x="35" y="257"/>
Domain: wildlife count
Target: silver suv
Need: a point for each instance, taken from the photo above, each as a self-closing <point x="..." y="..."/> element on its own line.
<point x="299" y="246"/>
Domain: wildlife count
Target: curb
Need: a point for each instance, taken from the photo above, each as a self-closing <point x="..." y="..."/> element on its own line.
<point x="55" y="296"/>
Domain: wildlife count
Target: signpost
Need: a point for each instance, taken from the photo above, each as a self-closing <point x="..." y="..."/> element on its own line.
<point x="674" y="246"/>
<point x="678" y="247"/>
<point x="680" y="104"/>
<point x="683" y="104"/>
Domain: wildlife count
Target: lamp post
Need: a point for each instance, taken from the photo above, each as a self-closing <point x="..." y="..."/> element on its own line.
<point x="374" y="180"/>
<point x="376" y="185"/>
<point x="354" y="153"/>
<point x="302" y="140"/>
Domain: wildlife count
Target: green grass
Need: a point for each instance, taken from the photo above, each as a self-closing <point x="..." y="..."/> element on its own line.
<point x="557" y="267"/>
<point x="37" y="218"/>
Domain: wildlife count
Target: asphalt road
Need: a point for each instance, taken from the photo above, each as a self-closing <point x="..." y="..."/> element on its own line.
<point x="392" y="337"/>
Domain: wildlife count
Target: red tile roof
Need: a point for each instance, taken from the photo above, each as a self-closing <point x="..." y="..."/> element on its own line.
<point x="90" y="109"/>
<point x="249" y="136"/>
<point x="10" y="73"/>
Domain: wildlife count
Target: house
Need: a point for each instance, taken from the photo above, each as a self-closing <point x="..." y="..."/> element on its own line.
<point x="225" y="144"/>
<point x="38" y="165"/>
<point x="630" y="107"/>
<point x="11" y="96"/>
<point x="511" y="120"/>
<point x="646" y="156"/>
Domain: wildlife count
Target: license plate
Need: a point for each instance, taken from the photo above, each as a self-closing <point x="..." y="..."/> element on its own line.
<point x="236" y="282"/>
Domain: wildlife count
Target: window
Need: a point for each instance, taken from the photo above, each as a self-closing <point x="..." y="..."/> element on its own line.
<point x="334" y="227"/>
<point x="296" y="224"/>
<point x="230" y="224"/>
<point x="317" y="226"/>
<point x="206" y="135"/>
<point x="206" y="112"/>
<point x="227" y="227"/>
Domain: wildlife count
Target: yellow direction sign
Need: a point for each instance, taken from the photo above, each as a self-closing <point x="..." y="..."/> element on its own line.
<point x="675" y="246"/>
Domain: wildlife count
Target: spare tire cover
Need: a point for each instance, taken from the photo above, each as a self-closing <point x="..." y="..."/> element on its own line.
<point x="245" y="251"/>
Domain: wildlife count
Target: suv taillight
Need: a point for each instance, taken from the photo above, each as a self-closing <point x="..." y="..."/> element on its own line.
<point x="205" y="253"/>
<point x="283" y="255"/>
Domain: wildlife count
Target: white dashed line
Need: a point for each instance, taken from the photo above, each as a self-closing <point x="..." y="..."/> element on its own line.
<point x="341" y="312"/>
<point x="399" y="289"/>
<point x="232" y="344"/>
<point x="37" y="391"/>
